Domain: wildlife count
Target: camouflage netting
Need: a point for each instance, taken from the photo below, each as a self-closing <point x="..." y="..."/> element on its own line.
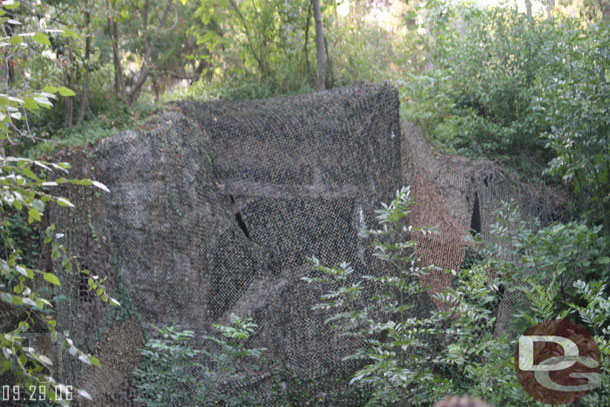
<point x="215" y="207"/>
<point x="461" y="196"/>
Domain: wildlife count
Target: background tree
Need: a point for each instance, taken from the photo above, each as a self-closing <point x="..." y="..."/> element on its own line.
<point x="320" y="52"/>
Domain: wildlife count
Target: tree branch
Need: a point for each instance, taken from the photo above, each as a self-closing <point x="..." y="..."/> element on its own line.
<point x="148" y="49"/>
<point x="244" y="23"/>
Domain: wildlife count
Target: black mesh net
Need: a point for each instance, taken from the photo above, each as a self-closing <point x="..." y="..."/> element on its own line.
<point x="215" y="207"/>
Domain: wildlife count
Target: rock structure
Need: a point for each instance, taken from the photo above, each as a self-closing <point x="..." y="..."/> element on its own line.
<point x="215" y="207"/>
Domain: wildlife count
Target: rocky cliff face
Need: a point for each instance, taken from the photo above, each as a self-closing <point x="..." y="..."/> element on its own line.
<point x="214" y="209"/>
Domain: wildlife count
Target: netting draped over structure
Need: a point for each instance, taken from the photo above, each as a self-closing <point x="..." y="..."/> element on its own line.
<point x="461" y="196"/>
<point x="215" y="207"/>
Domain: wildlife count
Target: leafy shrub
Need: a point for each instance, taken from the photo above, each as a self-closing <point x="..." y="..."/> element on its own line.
<point x="26" y="301"/>
<point x="414" y="359"/>
<point x="171" y="371"/>
<point x="163" y="376"/>
<point x="396" y="362"/>
<point x="480" y="97"/>
<point x="26" y="237"/>
<point x="573" y="104"/>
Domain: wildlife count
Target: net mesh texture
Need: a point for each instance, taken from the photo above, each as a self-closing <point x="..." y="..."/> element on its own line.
<point x="216" y="206"/>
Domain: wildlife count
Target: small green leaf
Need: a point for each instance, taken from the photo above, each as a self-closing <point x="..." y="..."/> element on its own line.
<point x="28" y="173"/>
<point x="30" y="103"/>
<point x="69" y="33"/>
<point x="100" y="186"/>
<point x="63" y="91"/>
<point x="84" y="358"/>
<point x="33" y="214"/>
<point x="85" y="182"/>
<point x="10" y="4"/>
<point x="21" y="271"/>
<point x="23" y="359"/>
<point x="95" y="362"/>
<point x="38" y="204"/>
<point x="51" y="278"/>
<point x="49" y="89"/>
<point x="15" y="40"/>
<point x="6" y="297"/>
<point x="84" y="394"/>
<point x="42" y="39"/>
<point x="45" y="360"/>
<point x="64" y="202"/>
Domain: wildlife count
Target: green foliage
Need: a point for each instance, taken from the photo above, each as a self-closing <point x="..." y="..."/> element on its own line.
<point x="364" y="53"/>
<point x="555" y="256"/>
<point x="26" y="293"/>
<point x="416" y="359"/>
<point x="575" y="102"/>
<point x="256" y="47"/>
<point x="329" y="390"/>
<point x="595" y="313"/>
<point x="267" y="48"/>
<point x="171" y="372"/>
<point x="529" y="94"/>
<point x="479" y="97"/>
<point x="163" y="377"/>
<point x="232" y="362"/>
<point x="397" y="344"/>
<point x="26" y="237"/>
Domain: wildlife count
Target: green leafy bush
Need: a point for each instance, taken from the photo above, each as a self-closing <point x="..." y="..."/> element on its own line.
<point x="163" y="377"/>
<point x="26" y="292"/>
<point x="413" y="358"/>
<point x="574" y="104"/>
<point x="174" y="373"/>
<point x="480" y="98"/>
<point x="396" y="343"/>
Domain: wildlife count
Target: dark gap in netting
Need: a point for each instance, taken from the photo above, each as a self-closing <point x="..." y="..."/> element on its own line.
<point x="83" y="287"/>
<point x="238" y="218"/>
<point x="475" y="221"/>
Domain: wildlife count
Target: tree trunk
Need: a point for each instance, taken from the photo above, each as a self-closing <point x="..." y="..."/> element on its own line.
<point x="528" y="10"/>
<point x="84" y="99"/>
<point x="156" y="87"/>
<point x="8" y="31"/>
<point x="320" y="52"/>
<point x="550" y="6"/>
<point x="69" y="105"/>
<point x="605" y="6"/>
<point x="148" y="49"/>
<point x="305" y="50"/>
<point x="330" y="76"/>
<point x="119" y="82"/>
